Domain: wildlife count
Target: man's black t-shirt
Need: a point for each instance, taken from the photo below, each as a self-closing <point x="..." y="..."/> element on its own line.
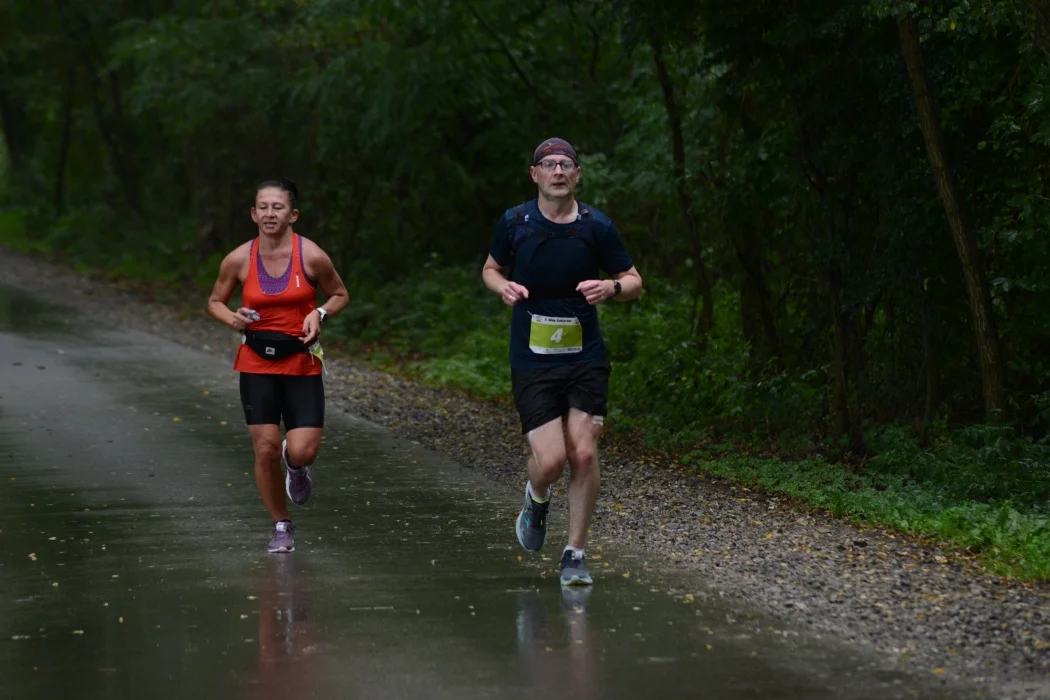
<point x="559" y="327"/>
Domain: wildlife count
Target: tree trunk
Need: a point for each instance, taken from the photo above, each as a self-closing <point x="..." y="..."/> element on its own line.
<point x="674" y="118"/>
<point x="929" y="366"/>
<point x="1041" y="10"/>
<point x="111" y="129"/>
<point x="756" y="316"/>
<point x="124" y="146"/>
<point x="844" y="425"/>
<point x="110" y="126"/>
<point x="67" y="137"/>
<point x="962" y="232"/>
<point x="200" y="170"/>
<point x="841" y="426"/>
<point x="12" y="120"/>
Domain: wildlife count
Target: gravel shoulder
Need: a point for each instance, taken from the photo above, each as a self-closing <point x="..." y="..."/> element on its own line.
<point x="922" y="607"/>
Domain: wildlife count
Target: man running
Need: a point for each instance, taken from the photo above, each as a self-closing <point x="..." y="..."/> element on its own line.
<point x="280" y="360"/>
<point x="555" y="247"/>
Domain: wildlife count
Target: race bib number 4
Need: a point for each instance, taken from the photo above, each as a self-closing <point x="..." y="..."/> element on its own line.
<point x="550" y="335"/>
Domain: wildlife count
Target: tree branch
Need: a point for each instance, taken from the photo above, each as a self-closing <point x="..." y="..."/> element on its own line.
<point x="504" y="49"/>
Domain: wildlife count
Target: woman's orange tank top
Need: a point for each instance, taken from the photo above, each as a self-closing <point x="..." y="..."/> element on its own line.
<point x="282" y="304"/>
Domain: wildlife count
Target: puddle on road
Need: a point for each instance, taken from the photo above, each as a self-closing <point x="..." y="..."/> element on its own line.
<point x="21" y="313"/>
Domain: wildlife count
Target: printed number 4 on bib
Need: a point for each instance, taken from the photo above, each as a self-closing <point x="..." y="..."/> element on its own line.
<point x="555" y="335"/>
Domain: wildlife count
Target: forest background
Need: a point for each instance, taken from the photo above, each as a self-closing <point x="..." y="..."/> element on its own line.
<point x="839" y="208"/>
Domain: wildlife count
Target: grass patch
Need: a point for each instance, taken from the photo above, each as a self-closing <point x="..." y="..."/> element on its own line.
<point x="1012" y="542"/>
<point x="14" y="233"/>
<point x="442" y="327"/>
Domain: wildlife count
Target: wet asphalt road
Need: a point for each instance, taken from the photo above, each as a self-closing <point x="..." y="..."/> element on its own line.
<point x="133" y="562"/>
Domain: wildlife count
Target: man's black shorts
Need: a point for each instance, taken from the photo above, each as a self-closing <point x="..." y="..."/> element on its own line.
<point x="541" y="395"/>
<point x="267" y="398"/>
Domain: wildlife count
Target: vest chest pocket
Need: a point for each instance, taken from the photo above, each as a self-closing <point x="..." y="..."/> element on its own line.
<point x="553" y="335"/>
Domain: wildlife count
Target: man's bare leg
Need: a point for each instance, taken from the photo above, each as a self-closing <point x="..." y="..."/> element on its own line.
<point x="547" y="444"/>
<point x="547" y="460"/>
<point x="582" y="431"/>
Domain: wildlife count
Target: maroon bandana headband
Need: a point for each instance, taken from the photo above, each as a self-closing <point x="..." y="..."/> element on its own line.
<point x="552" y="147"/>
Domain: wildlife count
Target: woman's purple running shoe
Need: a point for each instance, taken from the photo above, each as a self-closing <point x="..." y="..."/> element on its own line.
<point x="283" y="540"/>
<point x="297" y="482"/>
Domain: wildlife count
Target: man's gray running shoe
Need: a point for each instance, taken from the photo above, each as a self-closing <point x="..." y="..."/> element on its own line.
<point x="531" y="525"/>
<point x="283" y="540"/>
<point x="574" y="570"/>
<point x="297" y="482"/>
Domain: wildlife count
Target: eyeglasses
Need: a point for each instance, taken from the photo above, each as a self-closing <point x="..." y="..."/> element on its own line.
<point x="567" y="166"/>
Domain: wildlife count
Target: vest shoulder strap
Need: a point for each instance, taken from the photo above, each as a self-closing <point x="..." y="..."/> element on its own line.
<point x="520" y="231"/>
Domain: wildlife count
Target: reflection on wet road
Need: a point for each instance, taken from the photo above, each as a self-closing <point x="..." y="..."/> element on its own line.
<point x="133" y="562"/>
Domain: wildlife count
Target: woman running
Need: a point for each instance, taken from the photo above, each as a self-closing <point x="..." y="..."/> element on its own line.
<point x="280" y="359"/>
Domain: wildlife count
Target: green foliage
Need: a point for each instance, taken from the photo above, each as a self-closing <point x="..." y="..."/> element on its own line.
<point x="979" y="463"/>
<point x="1011" y="541"/>
<point x="443" y="325"/>
<point x="679" y="392"/>
<point x="14" y="234"/>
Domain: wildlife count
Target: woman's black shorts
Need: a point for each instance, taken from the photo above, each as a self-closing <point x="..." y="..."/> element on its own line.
<point x="269" y="398"/>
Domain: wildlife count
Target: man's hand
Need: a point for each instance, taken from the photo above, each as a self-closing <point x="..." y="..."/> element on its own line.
<point x="513" y="293"/>
<point x="311" y="327"/>
<point x="596" y="291"/>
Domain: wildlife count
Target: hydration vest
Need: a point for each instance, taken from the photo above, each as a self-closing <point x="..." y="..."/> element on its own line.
<point x="520" y="232"/>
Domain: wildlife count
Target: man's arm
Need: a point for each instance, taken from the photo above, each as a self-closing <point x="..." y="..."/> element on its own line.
<point x="630" y="285"/>
<point x="597" y="291"/>
<point x="229" y="277"/>
<point x="510" y="292"/>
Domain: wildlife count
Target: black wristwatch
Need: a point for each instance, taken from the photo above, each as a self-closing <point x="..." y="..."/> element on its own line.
<point x="322" y="313"/>
<point x="617" y="288"/>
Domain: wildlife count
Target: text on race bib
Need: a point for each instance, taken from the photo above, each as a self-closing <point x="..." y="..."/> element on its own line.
<point x="553" y="335"/>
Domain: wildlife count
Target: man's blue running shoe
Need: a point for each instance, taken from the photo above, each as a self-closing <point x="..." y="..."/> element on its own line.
<point x="531" y="525"/>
